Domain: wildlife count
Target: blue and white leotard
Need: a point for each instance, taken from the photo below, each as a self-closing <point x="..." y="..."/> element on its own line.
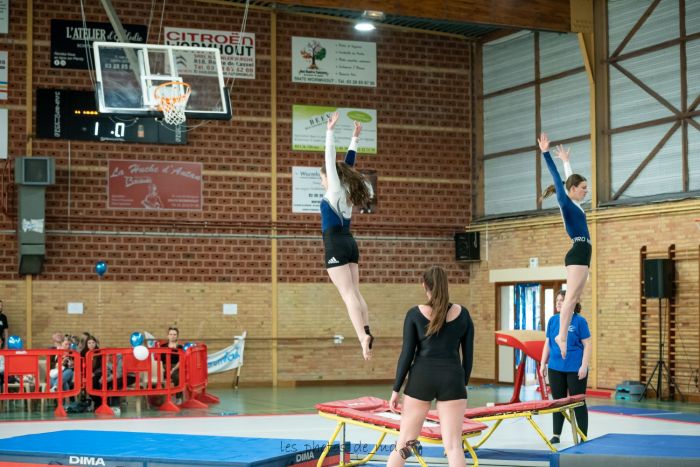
<point x="336" y="210"/>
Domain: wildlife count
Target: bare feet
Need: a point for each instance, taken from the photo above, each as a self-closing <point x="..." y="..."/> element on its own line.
<point x="562" y="345"/>
<point x="366" y="346"/>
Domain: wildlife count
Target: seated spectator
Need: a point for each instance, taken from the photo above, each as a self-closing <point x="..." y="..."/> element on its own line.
<point x="67" y="365"/>
<point x="91" y="343"/>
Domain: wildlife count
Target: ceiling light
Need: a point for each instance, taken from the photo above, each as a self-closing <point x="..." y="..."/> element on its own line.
<point x="368" y="19"/>
<point x="365" y="26"/>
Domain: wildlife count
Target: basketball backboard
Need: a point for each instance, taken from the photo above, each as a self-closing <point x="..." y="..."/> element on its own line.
<point x="129" y="73"/>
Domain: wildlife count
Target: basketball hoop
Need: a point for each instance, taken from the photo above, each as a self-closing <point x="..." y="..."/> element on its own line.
<point x="171" y="98"/>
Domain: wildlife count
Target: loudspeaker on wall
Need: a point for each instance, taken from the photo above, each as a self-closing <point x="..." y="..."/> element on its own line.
<point x="467" y="246"/>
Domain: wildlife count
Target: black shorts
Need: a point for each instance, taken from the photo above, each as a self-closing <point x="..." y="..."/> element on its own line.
<point x="579" y="254"/>
<point x="340" y="247"/>
<point x="431" y="378"/>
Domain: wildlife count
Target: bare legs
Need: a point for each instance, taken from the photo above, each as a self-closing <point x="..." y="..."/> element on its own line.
<point x="451" y="418"/>
<point x="412" y="417"/>
<point x="346" y="279"/>
<point x="576" y="276"/>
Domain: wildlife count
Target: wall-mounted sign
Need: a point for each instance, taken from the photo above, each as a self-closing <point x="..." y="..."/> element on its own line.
<point x="307" y="191"/>
<point x="3" y="134"/>
<point x="326" y="61"/>
<point x="71" y="41"/>
<point x="68" y="114"/>
<point x="154" y="185"/>
<point x="4" y="16"/>
<point x="309" y="128"/>
<point x="237" y="50"/>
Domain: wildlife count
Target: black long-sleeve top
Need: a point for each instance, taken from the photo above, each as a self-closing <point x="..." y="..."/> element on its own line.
<point x="455" y="334"/>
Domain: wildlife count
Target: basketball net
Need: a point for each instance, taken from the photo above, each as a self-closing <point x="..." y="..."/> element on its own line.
<point x="172" y="100"/>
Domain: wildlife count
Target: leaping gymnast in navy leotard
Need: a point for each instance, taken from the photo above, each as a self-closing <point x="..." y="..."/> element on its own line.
<point x="344" y="187"/>
<point x="578" y="259"/>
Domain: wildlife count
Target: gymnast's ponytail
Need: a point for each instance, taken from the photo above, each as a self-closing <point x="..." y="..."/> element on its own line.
<point x="573" y="180"/>
<point x="435" y="280"/>
<point x="549" y="191"/>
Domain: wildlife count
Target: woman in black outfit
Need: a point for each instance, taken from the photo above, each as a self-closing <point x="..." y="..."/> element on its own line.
<point x="433" y="335"/>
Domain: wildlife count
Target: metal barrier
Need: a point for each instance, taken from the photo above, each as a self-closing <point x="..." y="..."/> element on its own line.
<point x="118" y="373"/>
<point x="197" y="378"/>
<point x="33" y="382"/>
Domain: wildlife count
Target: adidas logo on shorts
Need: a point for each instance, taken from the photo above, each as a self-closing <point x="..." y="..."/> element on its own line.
<point x="333" y="261"/>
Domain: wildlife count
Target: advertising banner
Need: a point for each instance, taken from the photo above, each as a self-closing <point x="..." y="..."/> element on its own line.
<point x="237" y="50"/>
<point x="71" y="41"/>
<point x="326" y="61"/>
<point x="309" y="128"/>
<point x="154" y="185"/>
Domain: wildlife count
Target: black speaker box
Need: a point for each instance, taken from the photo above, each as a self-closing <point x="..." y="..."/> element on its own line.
<point x="467" y="246"/>
<point x="658" y="278"/>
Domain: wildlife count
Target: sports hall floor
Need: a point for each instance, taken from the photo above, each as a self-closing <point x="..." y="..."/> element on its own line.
<point x="284" y="413"/>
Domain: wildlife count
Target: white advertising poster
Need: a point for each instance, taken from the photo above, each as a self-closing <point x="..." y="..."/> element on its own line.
<point x="309" y="128"/>
<point x="326" y="61"/>
<point x="3" y="134"/>
<point x="4" y="16"/>
<point x="3" y="75"/>
<point x="237" y="50"/>
<point x="307" y="191"/>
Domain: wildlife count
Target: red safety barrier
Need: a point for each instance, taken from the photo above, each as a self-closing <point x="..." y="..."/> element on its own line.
<point x="118" y="373"/>
<point x="29" y="369"/>
<point x="197" y="378"/>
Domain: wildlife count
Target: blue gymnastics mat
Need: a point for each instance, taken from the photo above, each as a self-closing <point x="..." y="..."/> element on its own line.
<point x="130" y="449"/>
<point x="631" y="451"/>
<point x="650" y="413"/>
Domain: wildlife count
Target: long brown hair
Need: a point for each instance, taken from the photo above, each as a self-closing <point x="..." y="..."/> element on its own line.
<point x="562" y="292"/>
<point x="435" y="280"/>
<point x="573" y="180"/>
<point x="354" y="182"/>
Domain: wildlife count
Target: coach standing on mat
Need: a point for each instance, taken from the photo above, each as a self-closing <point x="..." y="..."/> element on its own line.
<point x="433" y="335"/>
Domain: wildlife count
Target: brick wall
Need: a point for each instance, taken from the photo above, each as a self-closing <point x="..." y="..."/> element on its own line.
<point x="617" y="332"/>
<point x="180" y="267"/>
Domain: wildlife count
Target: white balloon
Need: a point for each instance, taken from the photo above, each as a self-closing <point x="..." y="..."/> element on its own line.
<point x="53" y="373"/>
<point x="141" y="352"/>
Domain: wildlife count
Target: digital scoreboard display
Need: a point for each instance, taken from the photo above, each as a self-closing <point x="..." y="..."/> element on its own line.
<point x="68" y="114"/>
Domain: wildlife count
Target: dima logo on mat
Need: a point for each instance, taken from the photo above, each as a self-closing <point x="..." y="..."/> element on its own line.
<point x="305" y="456"/>
<point x="85" y="460"/>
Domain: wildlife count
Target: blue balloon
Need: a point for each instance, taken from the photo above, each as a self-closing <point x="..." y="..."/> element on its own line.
<point x="14" y="343"/>
<point x="188" y="345"/>
<point x="136" y="339"/>
<point x="100" y="268"/>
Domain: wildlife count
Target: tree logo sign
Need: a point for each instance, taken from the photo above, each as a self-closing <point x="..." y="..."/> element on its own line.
<point x="313" y="52"/>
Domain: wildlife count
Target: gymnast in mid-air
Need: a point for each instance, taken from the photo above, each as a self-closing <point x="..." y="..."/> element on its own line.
<point x="578" y="258"/>
<point x="344" y="187"/>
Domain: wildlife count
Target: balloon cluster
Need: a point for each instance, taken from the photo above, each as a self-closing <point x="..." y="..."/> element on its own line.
<point x="15" y="343"/>
<point x="140" y="350"/>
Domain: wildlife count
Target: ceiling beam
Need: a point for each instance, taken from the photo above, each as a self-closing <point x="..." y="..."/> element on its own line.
<point x="551" y="15"/>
